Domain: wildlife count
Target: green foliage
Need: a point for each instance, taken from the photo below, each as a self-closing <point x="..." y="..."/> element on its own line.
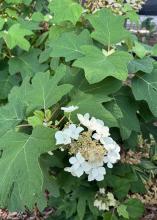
<point x="27" y="64"/>
<point x="135" y="208"/>
<point x="54" y="54"/>
<point x="12" y="39"/>
<point x="103" y="22"/>
<point x="72" y="11"/>
<point x="19" y="164"/>
<point x="95" y="61"/>
<point x="122" y="211"/>
<point x="145" y="88"/>
<point x="68" y="45"/>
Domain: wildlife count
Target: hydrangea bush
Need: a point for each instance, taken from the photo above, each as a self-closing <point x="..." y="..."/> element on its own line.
<point x="78" y="112"/>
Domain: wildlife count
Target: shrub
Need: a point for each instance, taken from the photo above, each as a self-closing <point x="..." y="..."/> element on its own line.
<point x="78" y="100"/>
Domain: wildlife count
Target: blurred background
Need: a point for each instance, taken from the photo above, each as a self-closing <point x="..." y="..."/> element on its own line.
<point x="148" y="25"/>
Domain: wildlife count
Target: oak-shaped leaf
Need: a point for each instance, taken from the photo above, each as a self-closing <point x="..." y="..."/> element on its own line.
<point x="108" y="28"/>
<point x="15" y="36"/>
<point x="65" y="10"/>
<point x="19" y="164"/>
<point x="68" y="45"/>
<point x="43" y="91"/>
<point x="98" y="66"/>
<point x="27" y="64"/>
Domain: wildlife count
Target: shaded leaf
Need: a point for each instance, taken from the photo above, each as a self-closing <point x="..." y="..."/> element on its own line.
<point x="135" y="208"/>
<point x="145" y="65"/>
<point x="91" y="104"/>
<point x="27" y="64"/>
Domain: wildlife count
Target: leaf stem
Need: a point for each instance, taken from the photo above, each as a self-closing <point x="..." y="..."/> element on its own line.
<point x="23" y="125"/>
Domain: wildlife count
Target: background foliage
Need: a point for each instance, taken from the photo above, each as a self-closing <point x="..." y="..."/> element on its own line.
<point x="54" y="54"/>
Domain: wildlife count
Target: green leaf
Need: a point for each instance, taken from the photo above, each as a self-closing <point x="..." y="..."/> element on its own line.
<point x="145" y="65"/>
<point x="14" y="1"/>
<point x="43" y="91"/>
<point x="19" y="164"/>
<point x="109" y="216"/>
<point x="140" y="50"/>
<point x="50" y="181"/>
<point x="26" y="2"/>
<point x="13" y="39"/>
<point x="144" y="87"/>
<point x="2" y="22"/>
<point x="72" y="10"/>
<point x="124" y="107"/>
<point x="81" y="207"/>
<point x="154" y="50"/>
<point x="98" y="66"/>
<point x="27" y="64"/>
<point x="128" y="108"/>
<point x="107" y="27"/>
<point x="37" y="119"/>
<point x="122" y="211"/>
<point x="135" y="208"/>
<point x="11" y="115"/>
<point x="6" y="83"/>
<point x="68" y="45"/>
<point x="92" y="104"/>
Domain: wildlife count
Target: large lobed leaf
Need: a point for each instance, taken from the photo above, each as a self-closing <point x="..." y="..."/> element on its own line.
<point x="15" y="36"/>
<point x="98" y="66"/>
<point x="108" y="28"/>
<point x="19" y="164"/>
<point x="68" y="45"/>
<point x="65" y="10"/>
<point x="43" y="92"/>
<point x="27" y="64"/>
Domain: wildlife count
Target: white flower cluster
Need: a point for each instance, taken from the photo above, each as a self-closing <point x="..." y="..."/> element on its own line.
<point x="90" y="145"/>
<point x="103" y="201"/>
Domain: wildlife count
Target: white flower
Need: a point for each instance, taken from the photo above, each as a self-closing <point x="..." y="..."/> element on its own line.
<point x="69" y="109"/>
<point x="79" y="165"/>
<point x="50" y="153"/>
<point x="102" y="190"/>
<point x="101" y="132"/>
<point x="65" y="136"/>
<point x="73" y="131"/>
<point x="112" y="201"/>
<point x="84" y="119"/>
<point x="91" y="124"/>
<point x="113" y="151"/>
<point x="94" y="124"/>
<point x="62" y="137"/>
<point x="96" y="173"/>
<point x="87" y="122"/>
<point x="97" y="203"/>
